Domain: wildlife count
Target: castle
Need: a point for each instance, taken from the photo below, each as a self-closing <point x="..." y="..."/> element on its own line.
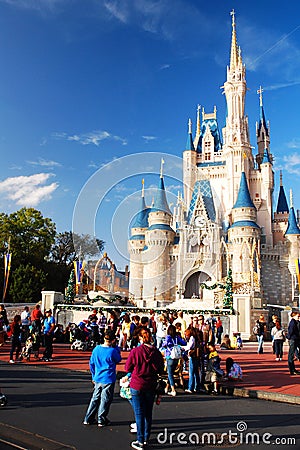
<point x="224" y="220"/>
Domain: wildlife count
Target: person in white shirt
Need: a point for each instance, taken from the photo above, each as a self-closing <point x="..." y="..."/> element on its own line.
<point x="25" y="320"/>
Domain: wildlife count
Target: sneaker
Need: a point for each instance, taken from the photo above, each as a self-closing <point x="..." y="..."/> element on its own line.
<point x="172" y="393"/>
<point x="105" y="423"/>
<point x="85" y="423"/>
<point x="137" y="445"/>
<point x="280" y="359"/>
<point x="277" y="359"/>
<point x="188" y="391"/>
<point x="11" y="361"/>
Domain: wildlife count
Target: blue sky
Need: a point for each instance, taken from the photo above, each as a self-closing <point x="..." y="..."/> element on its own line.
<point x="86" y="82"/>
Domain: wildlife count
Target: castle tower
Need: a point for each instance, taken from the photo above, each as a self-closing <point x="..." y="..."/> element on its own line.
<point x="159" y="237"/>
<point x="292" y="234"/>
<point x="236" y="145"/>
<point x="244" y="236"/>
<point x="262" y="131"/>
<point x="136" y="245"/>
<point x="281" y="215"/>
<point x="189" y="166"/>
<point x="265" y="212"/>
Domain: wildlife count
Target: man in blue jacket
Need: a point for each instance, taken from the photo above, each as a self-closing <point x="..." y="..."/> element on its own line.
<point x="103" y="363"/>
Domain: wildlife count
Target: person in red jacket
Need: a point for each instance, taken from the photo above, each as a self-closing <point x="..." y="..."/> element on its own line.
<point x="144" y="363"/>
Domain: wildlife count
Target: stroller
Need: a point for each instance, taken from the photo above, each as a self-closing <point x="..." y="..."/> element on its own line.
<point x="32" y="346"/>
<point x="79" y="336"/>
<point x="94" y="337"/>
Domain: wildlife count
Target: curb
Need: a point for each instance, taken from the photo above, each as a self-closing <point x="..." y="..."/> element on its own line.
<point x="261" y="395"/>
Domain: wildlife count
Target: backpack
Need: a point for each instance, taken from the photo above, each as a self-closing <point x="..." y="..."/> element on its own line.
<point x="256" y="329"/>
<point x="175" y="351"/>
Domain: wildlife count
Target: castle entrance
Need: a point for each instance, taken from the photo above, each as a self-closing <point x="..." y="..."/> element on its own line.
<point x="192" y="286"/>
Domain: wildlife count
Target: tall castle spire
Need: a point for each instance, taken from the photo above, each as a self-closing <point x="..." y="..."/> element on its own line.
<point x="236" y="132"/>
<point x="292" y="228"/>
<point x="282" y="205"/>
<point x="234" y="54"/>
<point x="189" y="142"/>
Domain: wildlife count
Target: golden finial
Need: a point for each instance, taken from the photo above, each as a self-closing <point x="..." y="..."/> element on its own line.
<point x="143" y="187"/>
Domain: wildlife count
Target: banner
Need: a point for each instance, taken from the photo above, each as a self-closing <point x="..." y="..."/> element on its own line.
<point x="7" y="265"/>
<point x="79" y="270"/>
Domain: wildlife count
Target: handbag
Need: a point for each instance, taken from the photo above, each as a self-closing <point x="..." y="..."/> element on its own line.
<point x="125" y="391"/>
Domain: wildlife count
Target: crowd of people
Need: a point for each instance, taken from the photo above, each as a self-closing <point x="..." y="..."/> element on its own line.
<point x="158" y="344"/>
<point x="28" y="332"/>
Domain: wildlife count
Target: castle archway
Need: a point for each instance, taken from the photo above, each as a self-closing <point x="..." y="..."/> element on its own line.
<point x="192" y="285"/>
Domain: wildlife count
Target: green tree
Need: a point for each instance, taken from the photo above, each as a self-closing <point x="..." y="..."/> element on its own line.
<point x="71" y="288"/>
<point x="27" y="284"/>
<point x="68" y="245"/>
<point x="228" y="296"/>
<point x="29" y="235"/>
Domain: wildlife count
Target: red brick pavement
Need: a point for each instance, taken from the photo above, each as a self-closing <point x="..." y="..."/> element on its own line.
<point x="260" y="372"/>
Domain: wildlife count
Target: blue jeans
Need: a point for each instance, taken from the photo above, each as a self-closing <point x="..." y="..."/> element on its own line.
<point x="194" y="376"/>
<point x="260" y="340"/>
<point x="278" y="347"/>
<point x="293" y="344"/>
<point x="100" y="402"/>
<point x="171" y="366"/>
<point x="142" y="403"/>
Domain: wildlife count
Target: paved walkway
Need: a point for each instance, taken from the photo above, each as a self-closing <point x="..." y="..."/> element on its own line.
<point x="263" y="377"/>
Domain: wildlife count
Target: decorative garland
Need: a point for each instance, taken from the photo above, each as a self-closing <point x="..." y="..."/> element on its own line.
<point x="214" y="286"/>
<point x="131" y="308"/>
<point x="228" y="296"/>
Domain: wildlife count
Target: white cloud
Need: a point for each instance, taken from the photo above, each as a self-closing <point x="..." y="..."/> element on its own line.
<point x="166" y="18"/>
<point x="28" y="190"/>
<point x="165" y="66"/>
<point x="119" y="11"/>
<point x="294" y="143"/>
<point x="149" y="138"/>
<point x="93" y="137"/>
<point x="44" y="163"/>
<point x="290" y="163"/>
